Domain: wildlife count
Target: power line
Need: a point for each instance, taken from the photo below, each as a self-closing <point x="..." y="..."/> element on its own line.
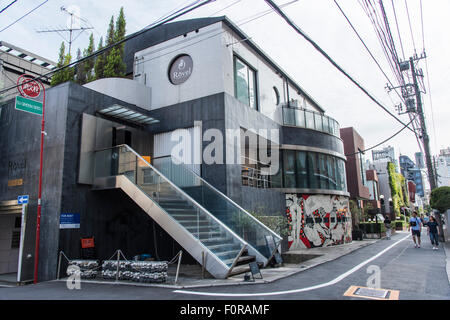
<point x="384" y="141"/>
<point x="107" y="48"/>
<point x="9" y="5"/>
<point x="237" y="1"/>
<point x="239" y="23"/>
<point x="316" y="46"/>
<point x="398" y="30"/>
<point x="23" y="16"/>
<point x="410" y="27"/>
<point x="365" y="46"/>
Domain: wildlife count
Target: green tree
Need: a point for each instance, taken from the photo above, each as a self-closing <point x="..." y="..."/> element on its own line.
<point x="63" y="75"/>
<point x="57" y="77"/>
<point x="99" y="67"/>
<point x="80" y="73"/>
<point x="440" y="199"/>
<point x="115" y="67"/>
<point x="89" y="64"/>
<point x="396" y="183"/>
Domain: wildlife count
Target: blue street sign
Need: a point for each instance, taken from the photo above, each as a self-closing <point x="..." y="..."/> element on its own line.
<point x="23" y="199"/>
<point x="69" y="221"/>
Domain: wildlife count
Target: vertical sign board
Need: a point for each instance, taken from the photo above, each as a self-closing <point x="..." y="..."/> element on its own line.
<point x="69" y="221"/>
<point x="23" y="199"/>
<point x="29" y="105"/>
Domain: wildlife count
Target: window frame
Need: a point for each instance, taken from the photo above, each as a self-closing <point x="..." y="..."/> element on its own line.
<point x="255" y="81"/>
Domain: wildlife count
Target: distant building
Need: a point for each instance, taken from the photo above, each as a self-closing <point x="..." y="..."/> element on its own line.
<point x="387" y="153"/>
<point x="419" y="160"/>
<point x="15" y="61"/>
<point x="442" y="163"/>
<point x="383" y="182"/>
<point x="412" y="173"/>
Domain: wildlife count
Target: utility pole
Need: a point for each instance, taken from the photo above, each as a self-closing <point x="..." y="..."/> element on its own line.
<point x="424" y="133"/>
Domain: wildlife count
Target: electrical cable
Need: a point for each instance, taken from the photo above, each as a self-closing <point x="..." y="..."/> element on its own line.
<point x="239" y="23"/>
<point x="398" y="30"/>
<point x="384" y="141"/>
<point x="23" y="16"/>
<point x="213" y="14"/>
<point x="107" y="48"/>
<point x="316" y="46"/>
<point x="410" y="27"/>
<point x="9" y="5"/>
<point x="368" y="50"/>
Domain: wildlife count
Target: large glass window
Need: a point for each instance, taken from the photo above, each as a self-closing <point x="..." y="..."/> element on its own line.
<point x="289" y="169"/>
<point x="312" y="170"/>
<point x="245" y="83"/>
<point x="301" y="170"/>
<point x="323" y="171"/>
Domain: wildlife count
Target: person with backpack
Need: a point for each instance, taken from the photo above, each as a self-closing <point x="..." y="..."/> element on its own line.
<point x="387" y="224"/>
<point x="415" y="224"/>
<point x="433" y="231"/>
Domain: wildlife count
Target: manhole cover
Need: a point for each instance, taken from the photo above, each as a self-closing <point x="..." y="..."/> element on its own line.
<point x="373" y="293"/>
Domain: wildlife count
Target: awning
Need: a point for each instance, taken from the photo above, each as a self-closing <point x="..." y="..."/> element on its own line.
<point x="125" y="114"/>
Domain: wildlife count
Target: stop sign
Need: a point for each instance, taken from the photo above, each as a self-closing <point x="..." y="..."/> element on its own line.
<point x="28" y="87"/>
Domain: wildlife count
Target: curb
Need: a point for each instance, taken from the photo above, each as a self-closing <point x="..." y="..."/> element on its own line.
<point x="446" y="246"/>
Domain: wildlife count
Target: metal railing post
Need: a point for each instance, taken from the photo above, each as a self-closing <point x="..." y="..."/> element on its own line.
<point x="178" y="266"/>
<point x="117" y="269"/>
<point x="59" y="266"/>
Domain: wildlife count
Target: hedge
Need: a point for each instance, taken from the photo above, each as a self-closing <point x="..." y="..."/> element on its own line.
<point x="372" y="227"/>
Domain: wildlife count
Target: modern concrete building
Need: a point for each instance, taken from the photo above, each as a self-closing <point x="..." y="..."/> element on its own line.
<point x="208" y="130"/>
<point x="442" y="164"/>
<point x="387" y="153"/>
<point x="412" y="173"/>
<point x="15" y="61"/>
<point x="355" y="165"/>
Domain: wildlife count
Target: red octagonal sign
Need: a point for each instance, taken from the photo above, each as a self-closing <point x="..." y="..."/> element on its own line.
<point x="28" y="87"/>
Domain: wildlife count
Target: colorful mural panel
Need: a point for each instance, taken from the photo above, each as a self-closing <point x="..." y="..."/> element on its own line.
<point x="318" y="220"/>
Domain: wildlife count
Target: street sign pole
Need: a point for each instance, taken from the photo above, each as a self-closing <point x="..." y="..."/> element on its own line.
<point x="38" y="220"/>
<point x="29" y="87"/>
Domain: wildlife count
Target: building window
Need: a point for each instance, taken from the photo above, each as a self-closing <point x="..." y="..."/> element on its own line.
<point x="245" y="83"/>
<point x="276" y="96"/>
<point x="312" y="170"/>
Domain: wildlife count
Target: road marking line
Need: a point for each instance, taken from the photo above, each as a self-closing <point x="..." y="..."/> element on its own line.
<point x="318" y="286"/>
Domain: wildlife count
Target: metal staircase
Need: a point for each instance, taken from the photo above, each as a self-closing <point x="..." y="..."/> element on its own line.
<point x="217" y="232"/>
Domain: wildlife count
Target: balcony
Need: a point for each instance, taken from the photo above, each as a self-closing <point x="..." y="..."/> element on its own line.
<point x="298" y="117"/>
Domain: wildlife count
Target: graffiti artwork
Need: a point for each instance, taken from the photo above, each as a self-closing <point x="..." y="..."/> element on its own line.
<point x="317" y="221"/>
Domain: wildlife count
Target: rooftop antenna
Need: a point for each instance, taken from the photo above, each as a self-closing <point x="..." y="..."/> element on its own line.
<point x="73" y="25"/>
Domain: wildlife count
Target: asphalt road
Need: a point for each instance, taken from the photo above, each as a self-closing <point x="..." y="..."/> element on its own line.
<point x="419" y="274"/>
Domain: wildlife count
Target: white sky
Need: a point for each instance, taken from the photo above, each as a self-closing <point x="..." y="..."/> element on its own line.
<point x="321" y="20"/>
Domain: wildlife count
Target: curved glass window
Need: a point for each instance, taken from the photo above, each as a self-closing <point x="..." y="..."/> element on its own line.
<point x="312" y="170"/>
<point x="309" y="119"/>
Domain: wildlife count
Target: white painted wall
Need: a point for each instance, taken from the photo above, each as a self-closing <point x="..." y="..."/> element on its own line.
<point x="152" y="65"/>
<point x="212" y="50"/>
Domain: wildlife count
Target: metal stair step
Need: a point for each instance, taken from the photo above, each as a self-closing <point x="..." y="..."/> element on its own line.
<point x="216" y="241"/>
<point x="241" y="260"/>
<point x="223" y="247"/>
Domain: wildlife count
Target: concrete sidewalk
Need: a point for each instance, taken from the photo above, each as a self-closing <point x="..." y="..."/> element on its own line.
<point x="191" y="276"/>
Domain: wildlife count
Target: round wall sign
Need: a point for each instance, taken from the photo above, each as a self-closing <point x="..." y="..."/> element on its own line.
<point x="28" y="87"/>
<point x="180" y="69"/>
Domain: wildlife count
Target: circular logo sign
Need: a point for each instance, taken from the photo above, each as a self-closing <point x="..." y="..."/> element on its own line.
<point x="28" y="87"/>
<point x="180" y="69"/>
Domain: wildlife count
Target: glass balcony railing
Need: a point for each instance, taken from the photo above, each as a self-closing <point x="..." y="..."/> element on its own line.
<point x="227" y="211"/>
<point x="311" y="120"/>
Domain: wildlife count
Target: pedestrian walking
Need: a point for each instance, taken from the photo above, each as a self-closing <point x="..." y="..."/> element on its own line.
<point x="387" y="224"/>
<point x="425" y="220"/>
<point x="415" y="225"/>
<point x="433" y="232"/>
